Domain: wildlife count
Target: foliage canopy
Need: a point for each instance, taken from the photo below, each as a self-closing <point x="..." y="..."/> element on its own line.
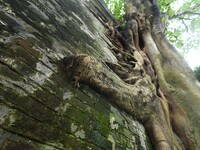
<point x="197" y="72"/>
<point x="180" y="19"/>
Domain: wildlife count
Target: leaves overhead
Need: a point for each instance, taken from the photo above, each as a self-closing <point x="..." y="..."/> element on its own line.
<point x="197" y="72"/>
<point x="117" y="8"/>
<point x="180" y="18"/>
<point x="181" y="22"/>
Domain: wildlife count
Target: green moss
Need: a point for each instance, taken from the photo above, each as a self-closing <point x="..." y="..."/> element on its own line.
<point x="8" y="73"/>
<point x="71" y="143"/>
<point x="11" y="118"/>
<point x="19" y="52"/>
<point x="33" y="129"/>
<point x="22" y="49"/>
<point x="77" y="115"/>
<point x="51" y="100"/>
<point x="91" y="111"/>
<point x="18" y="145"/>
<point x="29" y="105"/>
<point x="17" y="63"/>
<point x="98" y="139"/>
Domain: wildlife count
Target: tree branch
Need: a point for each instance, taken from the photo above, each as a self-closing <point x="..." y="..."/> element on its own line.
<point x="185" y="25"/>
<point x="185" y="13"/>
<point x="183" y="18"/>
<point x="190" y="11"/>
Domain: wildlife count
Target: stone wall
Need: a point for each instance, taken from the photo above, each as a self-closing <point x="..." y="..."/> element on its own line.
<point x="39" y="107"/>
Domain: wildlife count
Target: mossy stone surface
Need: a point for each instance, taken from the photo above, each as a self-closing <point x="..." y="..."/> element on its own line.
<point x="40" y="108"/>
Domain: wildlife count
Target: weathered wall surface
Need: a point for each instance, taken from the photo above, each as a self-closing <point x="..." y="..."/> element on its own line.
<point x="39" y="107"/>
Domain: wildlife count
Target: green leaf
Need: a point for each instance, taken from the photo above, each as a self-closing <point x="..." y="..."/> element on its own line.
<point x="197" y="72"/>
<point x="117" y="8"/>
<point x="171" y="12"/>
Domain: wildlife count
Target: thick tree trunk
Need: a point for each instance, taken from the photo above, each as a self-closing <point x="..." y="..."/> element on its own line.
<point x="161" y="85"/>
<point x="48" y="58"/>
<point x="176" y="81"/>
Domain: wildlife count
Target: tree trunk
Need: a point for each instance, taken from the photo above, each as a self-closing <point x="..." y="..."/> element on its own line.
<point x="70" y="80"/>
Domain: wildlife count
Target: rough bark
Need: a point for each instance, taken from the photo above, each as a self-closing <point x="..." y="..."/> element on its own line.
<point x="139" y="99"/>
<point x="170" y="109"/>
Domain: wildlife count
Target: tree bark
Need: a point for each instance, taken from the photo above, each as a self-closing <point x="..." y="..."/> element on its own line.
<point x="174" y="82"/>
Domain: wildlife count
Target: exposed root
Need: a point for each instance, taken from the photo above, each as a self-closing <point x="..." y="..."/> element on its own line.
<point x="159" y="140"/>
<point x="134" y="83"/>
<point x="179" y="123"/>
<point x="139" y="100"/>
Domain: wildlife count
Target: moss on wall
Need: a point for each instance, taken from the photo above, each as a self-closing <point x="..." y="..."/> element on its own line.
<point x="39" y="107"/>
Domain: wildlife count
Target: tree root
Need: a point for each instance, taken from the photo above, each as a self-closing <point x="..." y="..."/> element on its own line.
<point x="139" y="100"/>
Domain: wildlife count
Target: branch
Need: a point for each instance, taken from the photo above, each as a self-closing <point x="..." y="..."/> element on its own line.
<point x="183" y="18"/>
<point x="195" y="6"/>
<point x="185" y="25"/>
<point x="191" y="11"/>
<point x="185" y="13"/>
